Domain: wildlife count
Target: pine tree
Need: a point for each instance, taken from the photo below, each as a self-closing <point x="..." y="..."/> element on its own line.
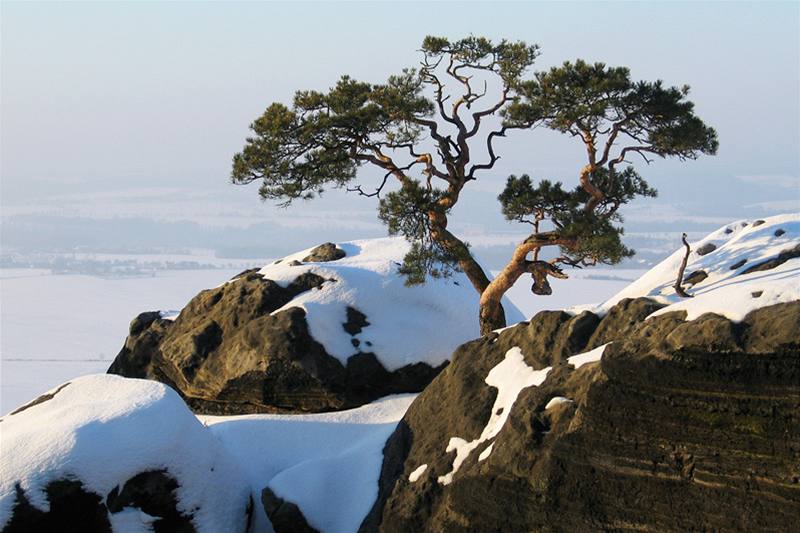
<point x="420" y="132"/>
<point x="416" y="128"/>
<point x="613" y="118"/>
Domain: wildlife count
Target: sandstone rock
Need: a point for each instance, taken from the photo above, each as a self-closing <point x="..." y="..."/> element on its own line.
<point x="72" y="509"/>
<point x="105" y="453"/>
<point x="681" y="426"/>
<point x="154" y="493"/>
<point x="695" y="277"/>
<point x="706" y="249"/>
<point x="226" y="353"/>
<point x="738" y="264"/>
<point x="781" y="258"/>
<point x="622" y="319"/>
<point x="285" y="516"/>
<point x="323" y="253"/>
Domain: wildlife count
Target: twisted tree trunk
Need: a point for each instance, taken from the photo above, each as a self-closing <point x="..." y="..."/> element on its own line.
<point x="492" y="295"/>
<point x="467" y="263"/>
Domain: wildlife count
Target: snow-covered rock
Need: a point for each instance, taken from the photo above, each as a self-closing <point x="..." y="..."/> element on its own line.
<point x="407" y="325"/>
<point x="651" y="410"/>
<point x="327" y="328"/>
<point x="742" y="266"/>
<point x="126" y="452"/>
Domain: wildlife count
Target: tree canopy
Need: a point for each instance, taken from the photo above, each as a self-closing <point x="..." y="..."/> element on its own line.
<point x="422" y="127"/>
<point x="614" y="118"/>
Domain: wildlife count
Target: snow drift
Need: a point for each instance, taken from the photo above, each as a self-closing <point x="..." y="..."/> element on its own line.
<point x="102" y="431"/>
<point x="422" y="323"/>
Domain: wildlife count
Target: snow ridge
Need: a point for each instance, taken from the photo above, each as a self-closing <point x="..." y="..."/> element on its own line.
<point x="728" y="290"/>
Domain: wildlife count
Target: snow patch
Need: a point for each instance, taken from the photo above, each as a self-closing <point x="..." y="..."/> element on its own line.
<point x="104" y="429"/>
<point x="170" y="314"/>
<point x="131" y="520"/>
<point x="417" y="473"/>
<point x="592" y="356"/>
<point x="486" y="453"/>
<point x="509" y="377"/>
<point x="556" y="400"/>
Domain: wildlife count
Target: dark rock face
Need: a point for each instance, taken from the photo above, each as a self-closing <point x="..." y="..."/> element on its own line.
<point x="324" y="253"/>
<point x="285" y="516"/>
<point x="73" y="508"/>
<point x="153" y="493"/>
<point x="227" y="354"/>
<point x="738" y="264"/>
<point x="681" y="426"/>
<point x="707" y="248"/>
<point x="781" y="258"/>
<point x="696" y="277"/>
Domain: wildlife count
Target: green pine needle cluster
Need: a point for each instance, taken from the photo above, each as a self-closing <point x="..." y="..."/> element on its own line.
<point x="406" y="212"/>
<point x="597" y="239"/>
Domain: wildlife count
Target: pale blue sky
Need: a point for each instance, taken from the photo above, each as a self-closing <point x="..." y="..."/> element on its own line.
<point x="100" y="97"/>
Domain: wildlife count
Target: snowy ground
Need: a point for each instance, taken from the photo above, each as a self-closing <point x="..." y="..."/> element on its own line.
<point x="733" y="259"/>
<point x="56" y="327"/>
<point x="326" y="463"/>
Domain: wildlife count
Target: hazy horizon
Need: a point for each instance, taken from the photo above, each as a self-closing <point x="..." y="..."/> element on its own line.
<point x="129" y="113"/>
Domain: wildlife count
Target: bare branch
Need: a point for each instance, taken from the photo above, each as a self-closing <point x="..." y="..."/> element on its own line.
<point x="679" y="290"/>
<point x="376" y="192"/>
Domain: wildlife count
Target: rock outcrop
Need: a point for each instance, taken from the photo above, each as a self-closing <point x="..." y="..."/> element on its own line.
<point x="103" y="453"/>
<point x="326" y="333"/>
<point x="227" y="353"/>
<point x="681" y="425"/>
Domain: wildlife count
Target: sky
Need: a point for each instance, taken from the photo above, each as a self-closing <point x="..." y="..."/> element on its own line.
<point x="129" y="113"/>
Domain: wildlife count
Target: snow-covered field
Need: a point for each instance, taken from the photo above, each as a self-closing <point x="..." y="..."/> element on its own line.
<point x="56" y="327"/>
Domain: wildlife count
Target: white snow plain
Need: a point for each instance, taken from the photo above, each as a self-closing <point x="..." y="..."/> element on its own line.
<point x="423" y="323"/>
<point x="55" y="327"/>
<point x="328" y="464"/>
<point x="102" y="430"/>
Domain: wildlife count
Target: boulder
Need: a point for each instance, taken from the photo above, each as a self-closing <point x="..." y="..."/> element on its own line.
<point x="674" y="425"/>
<point x="104" y="453"/>
<point x="306" y="336"/>
<point x="697" y="276"/>
<point x="324" y="253"/>
<point x="284" y="516"/>
<point x="708" y="247"/>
